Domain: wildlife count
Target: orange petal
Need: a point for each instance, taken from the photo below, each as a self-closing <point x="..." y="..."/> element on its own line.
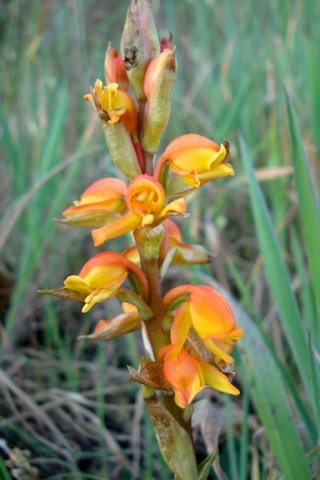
<point x="174" y="293"/>
<point x="177" y="207"/>
<point x="210" y="312"/>
<point x="190" y="140"/>
<point x="120" y="226"/>
<point x="184" y="376"/>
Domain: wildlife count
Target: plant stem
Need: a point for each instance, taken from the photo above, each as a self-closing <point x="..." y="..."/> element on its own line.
<point x="157" y="336"/>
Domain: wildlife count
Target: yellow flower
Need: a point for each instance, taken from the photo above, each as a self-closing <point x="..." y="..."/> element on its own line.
<point x="146" y="207"/>
<point x="102" y="276"/>
<point x="205" y="310"/>
<point x="196" y="159"/>
<point x="115" y="103"/>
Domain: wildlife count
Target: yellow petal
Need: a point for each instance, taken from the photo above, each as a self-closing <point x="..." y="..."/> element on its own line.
<point x="77" y="284"/>
<point x="181" y="326"/>
<point x="217" y="380"/>
<point x="218" y="352"/>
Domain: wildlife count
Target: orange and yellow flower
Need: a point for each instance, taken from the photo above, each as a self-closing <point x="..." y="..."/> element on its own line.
<point x="145" y="201"/>
<point x="102" y="276"/>
<point x="196" y="159"/>
<point x="117" y="104"/>
<point x="207" y="312"/>
<point x="100" y="202"/>
<point x="187" y="375"/>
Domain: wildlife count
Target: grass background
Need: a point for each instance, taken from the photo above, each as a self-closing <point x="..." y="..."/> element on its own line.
<point x="70" y="404"/>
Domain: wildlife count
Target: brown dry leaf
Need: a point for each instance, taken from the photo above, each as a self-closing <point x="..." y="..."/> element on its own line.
<point x="115" y="327"/>
<point x="64" y="293"/>
<point x="150" y="374"/>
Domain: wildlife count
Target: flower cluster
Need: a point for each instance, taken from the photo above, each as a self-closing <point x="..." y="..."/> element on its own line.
<point x="191" y="329"/>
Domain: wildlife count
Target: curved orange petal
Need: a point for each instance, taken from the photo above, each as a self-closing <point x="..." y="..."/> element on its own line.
<point x="103" y="189"/>
<point x="190" y="140"/>
<point x="120" y="226"/>
<point x="210" y="312"/>
<point x="184" y="376"/>
<point x="102" y="259"/>
<point x="176" y="292"/>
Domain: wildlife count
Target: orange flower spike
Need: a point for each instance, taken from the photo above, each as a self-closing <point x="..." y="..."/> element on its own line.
<point x="101" y="201"/>
<point x="196" y="159"/>
<point x="114" y="68"/>
<point x="145" y="201"/>
<point x="188" y="375"/>
<point x="211" y="317"/>
<point x="102" y="276"/>
<point x="116" y="103"/>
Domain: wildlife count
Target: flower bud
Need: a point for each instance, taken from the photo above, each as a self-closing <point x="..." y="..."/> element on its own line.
<point x="121" y="148"/>
<point x="139" y="43"/>
<point x="114" y="68"/>
<point x="158" y="87"/>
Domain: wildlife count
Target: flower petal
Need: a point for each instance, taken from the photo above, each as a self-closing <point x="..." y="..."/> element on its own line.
<point x="217" y="380"/>
<point x="120" y="226"/>
<point x="184" y="376"/>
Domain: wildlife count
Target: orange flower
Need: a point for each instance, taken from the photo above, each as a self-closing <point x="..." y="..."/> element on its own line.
<point x="102" y="276"/>
<point x="209" y="314"/>
<point x="114" y="68"/>
<point x="188" y="375"/>
<point x="146" y="207"/>
<point x="115" y="103"/>
<point x="100" y="202"/>
<point x="196" y="159"/>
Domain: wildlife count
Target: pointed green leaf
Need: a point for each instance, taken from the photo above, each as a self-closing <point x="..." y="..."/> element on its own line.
<point x="277" y="275"/>
<point x="308" y="202"/>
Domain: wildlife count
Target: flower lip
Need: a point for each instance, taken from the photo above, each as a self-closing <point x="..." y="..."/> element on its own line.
<point x="145" y="196"/>
<point x="113" y="104"/>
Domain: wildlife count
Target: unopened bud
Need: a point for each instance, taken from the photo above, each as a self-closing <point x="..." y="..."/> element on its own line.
<point x="158" y="86"/>
<point x="139" y="43"/>
<point x="114" y="68"/>
<point x="121" y="148"/>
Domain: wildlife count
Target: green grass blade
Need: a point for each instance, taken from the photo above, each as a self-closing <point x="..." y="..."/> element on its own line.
<point x="308" y="202"/>
<point x="277" y="275"/>
<point x="3" y="471"/>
